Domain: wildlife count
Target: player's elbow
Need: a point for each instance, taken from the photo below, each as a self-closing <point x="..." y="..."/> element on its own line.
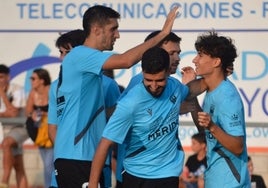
<point x="238" y="150"/>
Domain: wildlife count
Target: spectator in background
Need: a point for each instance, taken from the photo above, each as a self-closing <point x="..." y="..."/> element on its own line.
<point x="196" y="164"/>
<point x="12" y="103"/>
<point x="37" y="108"/>
<point x="256" y="180"/>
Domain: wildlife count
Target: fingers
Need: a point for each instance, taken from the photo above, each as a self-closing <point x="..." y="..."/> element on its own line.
<point x="204" y="119"/>
<point x="175" y="10"/>
<point x="188" y="74"/>
<point x="170" y="19"/>
<point x="178" y="10"/>
<point x="173" y="13"/>
<point x="188" y="70"/>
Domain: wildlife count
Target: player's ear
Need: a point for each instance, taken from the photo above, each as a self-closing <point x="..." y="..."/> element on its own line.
<point x="217" y="62"/>
<point x="96" y="29"/>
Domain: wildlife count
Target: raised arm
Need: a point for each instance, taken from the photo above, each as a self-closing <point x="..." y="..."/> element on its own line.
<point x="133" y="56"/>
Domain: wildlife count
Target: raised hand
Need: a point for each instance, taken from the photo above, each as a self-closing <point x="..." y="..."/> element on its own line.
<point x="167" y="27"/>
<point x="188" y="74"/>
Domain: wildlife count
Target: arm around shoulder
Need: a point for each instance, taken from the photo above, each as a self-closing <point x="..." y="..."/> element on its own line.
<point x="196" y="87"/>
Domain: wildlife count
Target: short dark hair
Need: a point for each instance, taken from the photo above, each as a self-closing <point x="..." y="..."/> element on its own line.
<point x="155" y="60"/>
<point x="170" y="37"/>
<point x="200" y="137"/>
<point x="44" y="75"/>
<point x="98" y="14"/>
<point x="73" y="38"/>
<point x="217" y="46"/>
<point x="4" y="69"/>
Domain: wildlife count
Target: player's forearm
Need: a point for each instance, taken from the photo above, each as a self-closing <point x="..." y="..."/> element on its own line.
<point x="10" y="112"/>
<point x="232" y="143"/>
<point x="132" y="56"/>
<point x="194" y="114"/>
<point x="98" y="162"/>
<point x="52" y="130"/>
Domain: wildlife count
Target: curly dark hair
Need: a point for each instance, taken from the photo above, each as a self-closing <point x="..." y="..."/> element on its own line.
<point x="217" y="46"/>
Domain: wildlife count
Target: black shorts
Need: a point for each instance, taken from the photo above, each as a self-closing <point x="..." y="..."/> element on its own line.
<point x="73" y="173"/>
<point x="130" y="181"/>
<point x="118" y="184"/>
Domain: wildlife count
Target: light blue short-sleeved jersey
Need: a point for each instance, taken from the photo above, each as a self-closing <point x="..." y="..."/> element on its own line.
<point x="111" y="91"/>
<point x="149" y="128"/>
<point x="121" y="147"/>
<point x="226" y="109"/>
<point x="52" y="103"/>
<point x="111" y="95"/>
<point x="80" y="104"/>
<point x="133" y="82"/>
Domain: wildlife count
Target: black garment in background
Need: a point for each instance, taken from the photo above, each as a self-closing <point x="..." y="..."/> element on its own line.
<point x="193" y="163"/>
<point x="259" y="181"/>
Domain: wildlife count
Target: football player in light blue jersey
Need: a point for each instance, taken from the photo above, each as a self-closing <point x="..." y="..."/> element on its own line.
<point x="223" y="116"/>
<point x="65" y="43"/>
<point x="171" y="43"/>
<point x="147" y="120"/>
<point x="80" y="101"/>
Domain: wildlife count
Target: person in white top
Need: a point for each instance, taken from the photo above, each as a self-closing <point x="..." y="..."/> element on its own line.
<point x="12" y="102"/>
